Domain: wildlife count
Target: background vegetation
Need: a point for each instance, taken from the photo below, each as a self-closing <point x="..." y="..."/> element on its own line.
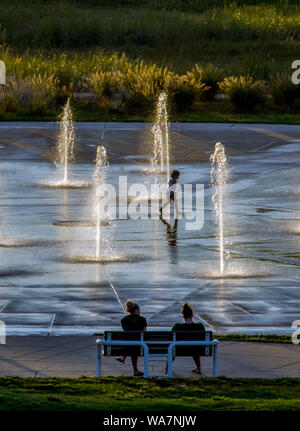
<point x="125" y="52"/>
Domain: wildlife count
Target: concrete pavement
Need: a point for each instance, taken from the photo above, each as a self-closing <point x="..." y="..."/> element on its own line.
<point x="42" y="291"/>
<point x="74" y="356"/>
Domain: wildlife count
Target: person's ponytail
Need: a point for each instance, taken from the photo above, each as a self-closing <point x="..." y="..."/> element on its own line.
<point x="131" y="306"/>
<point x="187" y="311"/>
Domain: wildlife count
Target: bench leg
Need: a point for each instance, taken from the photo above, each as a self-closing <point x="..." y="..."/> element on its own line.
<point x="146" y="364"/>
<point x="170" y="363"/>
<point x="215" y="360"/>
<point x="98" y="360"/>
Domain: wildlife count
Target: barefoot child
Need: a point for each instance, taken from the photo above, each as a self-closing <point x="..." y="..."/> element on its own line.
<point x="171" y="191"/>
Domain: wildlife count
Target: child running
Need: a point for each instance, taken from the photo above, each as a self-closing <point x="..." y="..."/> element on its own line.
<point x="171" y="191"/>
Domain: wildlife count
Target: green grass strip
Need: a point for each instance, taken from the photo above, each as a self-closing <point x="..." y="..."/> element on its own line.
<point x="127" y="393"/>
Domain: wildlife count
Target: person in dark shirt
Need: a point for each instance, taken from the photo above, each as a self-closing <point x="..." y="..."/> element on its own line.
<point x="189" y="325"/>
<point x="133" y="322"/>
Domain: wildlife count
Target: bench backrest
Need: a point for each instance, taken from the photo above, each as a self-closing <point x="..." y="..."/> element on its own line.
<point x="158" y="336"/>
<point x="158" y="348"/>
<point x="123" y="350"/>
<point x="193" y="350"/>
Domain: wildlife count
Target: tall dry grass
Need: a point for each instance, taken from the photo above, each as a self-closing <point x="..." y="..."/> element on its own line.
<point x="185" y="47"/>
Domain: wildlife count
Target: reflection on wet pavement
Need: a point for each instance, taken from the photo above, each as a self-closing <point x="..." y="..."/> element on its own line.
<point x="43" y="286"/>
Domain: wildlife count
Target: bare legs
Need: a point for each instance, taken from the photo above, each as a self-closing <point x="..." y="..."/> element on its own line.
<point x="198" y="365"/>
<point x="134" y="361"/>
<point x="197" y="360"/>
<point x="170" y="199"/>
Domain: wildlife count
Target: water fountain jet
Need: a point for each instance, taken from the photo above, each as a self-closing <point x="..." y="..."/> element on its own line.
<point x="99" y="179"/>
<point x="219" y="178"/>
<point x="64" y="152"/>
<point x="65" y="148"/>
<point x="161" y="160"/>
<point x="103" y="250"/>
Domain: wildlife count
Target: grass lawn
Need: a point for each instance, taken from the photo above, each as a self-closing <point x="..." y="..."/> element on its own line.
<point x="246" y="36"/>
<point x="127" y="393"/>
<point x="282" y="339"/>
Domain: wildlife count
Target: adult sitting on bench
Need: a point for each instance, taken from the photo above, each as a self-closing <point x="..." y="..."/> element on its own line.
<point x="133" y="322"/>
<point x="189" y="325"/>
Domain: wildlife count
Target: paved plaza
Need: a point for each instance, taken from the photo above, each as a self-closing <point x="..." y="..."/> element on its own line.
<point x="75" y="356"/>
<point x="45" y="291"/>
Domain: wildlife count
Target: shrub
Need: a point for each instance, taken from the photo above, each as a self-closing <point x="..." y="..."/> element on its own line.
<point x="36" y="93"/>
<point x="183" y="97"/>
<point x="147" y="82"/>
<point x="283" y="91"/>
<point x="208" y="77"/>
<point x="244" y="92"/>
<point x="135" y="84"/>
<point x="181" y="93"/>
<point x="107" y="86"/>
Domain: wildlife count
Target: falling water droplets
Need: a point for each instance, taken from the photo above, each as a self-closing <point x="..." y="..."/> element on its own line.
<point x="65" y="148"/>
<point x="100" y="197"/>
<point x="219" y="179"/>
<point x="160" y="161"/>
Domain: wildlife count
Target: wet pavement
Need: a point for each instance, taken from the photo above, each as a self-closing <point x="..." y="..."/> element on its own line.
<point x="46" y="232"/>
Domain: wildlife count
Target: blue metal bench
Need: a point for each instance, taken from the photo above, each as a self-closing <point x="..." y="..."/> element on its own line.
<point x="157" y="346"/>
